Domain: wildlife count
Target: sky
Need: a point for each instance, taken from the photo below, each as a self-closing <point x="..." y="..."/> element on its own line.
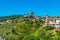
<point x="21" y="7"/>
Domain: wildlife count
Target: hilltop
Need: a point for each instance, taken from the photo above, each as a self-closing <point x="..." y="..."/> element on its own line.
<point x="27" y="28"/>
<point x="13" y="17"/>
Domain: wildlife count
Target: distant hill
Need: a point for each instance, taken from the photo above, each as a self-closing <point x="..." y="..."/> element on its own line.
<point x="4" y="18"/>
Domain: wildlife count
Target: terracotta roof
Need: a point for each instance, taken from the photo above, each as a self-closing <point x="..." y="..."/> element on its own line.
<point x="55" y="18"/>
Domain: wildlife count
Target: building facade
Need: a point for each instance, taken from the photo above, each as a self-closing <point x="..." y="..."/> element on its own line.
<point x="54" y="21"/>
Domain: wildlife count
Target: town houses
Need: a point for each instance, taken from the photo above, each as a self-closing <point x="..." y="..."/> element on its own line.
<point x="48" y="20"/>
<point x="54" y="21"/>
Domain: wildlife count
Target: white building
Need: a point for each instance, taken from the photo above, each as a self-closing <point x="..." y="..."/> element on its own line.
<point x="2" y="37"/>
<point x="55" y="23"/>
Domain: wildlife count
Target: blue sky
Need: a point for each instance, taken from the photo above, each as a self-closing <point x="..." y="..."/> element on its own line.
<point x="39" y="7"/>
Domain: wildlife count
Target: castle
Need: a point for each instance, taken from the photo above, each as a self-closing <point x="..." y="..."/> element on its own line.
<point x="53" y="21"/>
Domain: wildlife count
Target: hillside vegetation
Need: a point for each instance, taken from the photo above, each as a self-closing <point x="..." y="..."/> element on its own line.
<point x="13" y="17"/>
<point x="27" y="30"/>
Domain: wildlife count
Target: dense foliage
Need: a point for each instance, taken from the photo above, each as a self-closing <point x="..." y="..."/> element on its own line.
<point x="27" y="30"/>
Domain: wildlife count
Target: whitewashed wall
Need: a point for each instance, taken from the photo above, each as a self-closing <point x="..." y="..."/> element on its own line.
<point x="56" y="23"/>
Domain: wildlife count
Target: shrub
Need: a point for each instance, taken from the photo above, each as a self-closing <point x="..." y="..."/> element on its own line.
<point x="49" y="28"/>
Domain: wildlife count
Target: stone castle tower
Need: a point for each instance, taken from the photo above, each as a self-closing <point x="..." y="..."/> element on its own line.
<point x="32" y="14"/>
